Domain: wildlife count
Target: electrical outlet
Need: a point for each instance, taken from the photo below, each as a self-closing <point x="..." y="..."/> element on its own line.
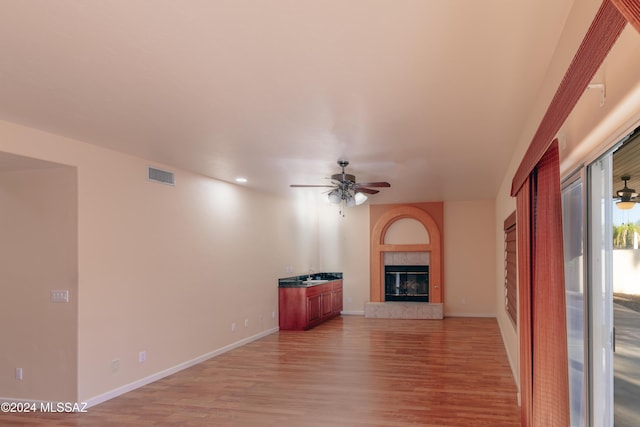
<point x="142" y="356"/>
<point x="115" y="365"/>
<point x="273" y="314"/>
<point x="60" y="296"/>
<point x="19" y="374"/>
<point x="233" y="327"/>
<point x="246" y="323"/>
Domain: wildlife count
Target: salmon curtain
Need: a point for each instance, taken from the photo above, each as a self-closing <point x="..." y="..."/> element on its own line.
<point x="544" y="371"/>
<point x="523" y="219"/>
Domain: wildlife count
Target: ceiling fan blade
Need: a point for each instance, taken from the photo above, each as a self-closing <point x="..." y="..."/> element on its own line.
<point x="366" y="190"/>
<point x="304" y="185"/>
<point x="373" y="184"/>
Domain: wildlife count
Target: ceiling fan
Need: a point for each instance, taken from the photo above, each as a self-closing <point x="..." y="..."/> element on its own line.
<point x="345" y="190"/>
<point x="628" y="196"/>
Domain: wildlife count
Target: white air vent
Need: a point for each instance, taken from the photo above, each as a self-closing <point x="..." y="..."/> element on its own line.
<point x="164" y="177"/>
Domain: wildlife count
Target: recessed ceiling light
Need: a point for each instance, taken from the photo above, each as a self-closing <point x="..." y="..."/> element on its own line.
<point x="241" y="180"/>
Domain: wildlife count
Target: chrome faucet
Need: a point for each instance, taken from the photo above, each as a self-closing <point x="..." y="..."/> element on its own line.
<point x="310" y="273"/>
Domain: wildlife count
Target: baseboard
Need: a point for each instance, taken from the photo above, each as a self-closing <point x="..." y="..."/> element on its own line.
<point x="469" y="315"/>
<point x="96" y="400"/>
<point x="361" y="313"/>
<point x="512" y="365"/>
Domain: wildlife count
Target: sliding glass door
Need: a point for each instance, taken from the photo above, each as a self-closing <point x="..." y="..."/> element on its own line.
<point x="587" y="238"/>
<point x="601" y="234"/>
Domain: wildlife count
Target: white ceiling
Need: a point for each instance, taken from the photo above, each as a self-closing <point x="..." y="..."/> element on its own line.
<point x="430" y="95"/>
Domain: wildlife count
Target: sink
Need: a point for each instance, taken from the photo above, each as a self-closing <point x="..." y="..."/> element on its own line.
<point x="314" y="282"/>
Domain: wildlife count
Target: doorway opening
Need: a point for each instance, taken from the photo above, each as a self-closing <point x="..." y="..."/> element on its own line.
<point x="625" y="270"/>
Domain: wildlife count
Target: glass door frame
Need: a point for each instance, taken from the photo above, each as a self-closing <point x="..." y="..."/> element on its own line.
<point x="600" y="289"/>
<point x="579" y="176"/>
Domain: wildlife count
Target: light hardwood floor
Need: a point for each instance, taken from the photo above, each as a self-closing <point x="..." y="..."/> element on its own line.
<point x="350" y="371"/>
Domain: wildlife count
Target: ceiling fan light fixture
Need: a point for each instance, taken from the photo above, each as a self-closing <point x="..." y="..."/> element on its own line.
<point x="360" y="198"/>
<point x="626" y="194"/>
<point x="334" y="196"/>
<point x="350" y="201"/>
<point x="625" y="205"/>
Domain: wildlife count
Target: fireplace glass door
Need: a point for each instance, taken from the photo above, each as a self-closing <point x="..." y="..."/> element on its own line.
<point x="407" y="283"/>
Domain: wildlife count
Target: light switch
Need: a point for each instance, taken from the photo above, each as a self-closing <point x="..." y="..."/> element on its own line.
<point x="60" y="296"/>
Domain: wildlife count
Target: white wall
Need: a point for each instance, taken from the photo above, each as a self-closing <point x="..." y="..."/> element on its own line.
<point x="591" y="126"/>
<point x="626" y="271"/>
<point x="469" y="263"/>
<point x="165" y="269"/>
<point x="406" y="231"/>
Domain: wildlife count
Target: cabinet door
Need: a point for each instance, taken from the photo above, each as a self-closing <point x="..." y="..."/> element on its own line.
<point x="326" y="303"/>
<point x="314" y="307"/>
<point x="337" y="301"/>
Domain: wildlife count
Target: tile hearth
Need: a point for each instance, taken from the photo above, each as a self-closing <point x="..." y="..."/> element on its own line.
<point x="403" y="310"/>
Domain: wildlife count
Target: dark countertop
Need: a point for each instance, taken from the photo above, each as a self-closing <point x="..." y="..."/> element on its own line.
<point x="297" y="281"/>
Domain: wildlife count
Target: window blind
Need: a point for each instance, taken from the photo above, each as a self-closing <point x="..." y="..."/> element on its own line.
<point x="510" y="268"/>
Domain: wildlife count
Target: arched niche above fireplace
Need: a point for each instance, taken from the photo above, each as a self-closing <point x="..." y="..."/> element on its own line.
<point x="406" y="231"/>
<point x="425" y="237"/>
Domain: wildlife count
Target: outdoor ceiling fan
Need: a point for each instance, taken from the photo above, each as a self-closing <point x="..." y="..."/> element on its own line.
<point x="628" y="196"/>
<point x="345" y="190"/>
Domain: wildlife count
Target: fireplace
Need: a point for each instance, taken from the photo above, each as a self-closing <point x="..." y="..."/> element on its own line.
<point x="406" y="283"/>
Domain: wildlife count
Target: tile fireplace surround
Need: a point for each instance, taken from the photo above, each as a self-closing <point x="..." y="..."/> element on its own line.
<point x="403" y="310"/>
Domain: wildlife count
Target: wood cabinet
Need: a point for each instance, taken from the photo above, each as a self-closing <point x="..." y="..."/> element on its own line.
<point x="302" y="308"/>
